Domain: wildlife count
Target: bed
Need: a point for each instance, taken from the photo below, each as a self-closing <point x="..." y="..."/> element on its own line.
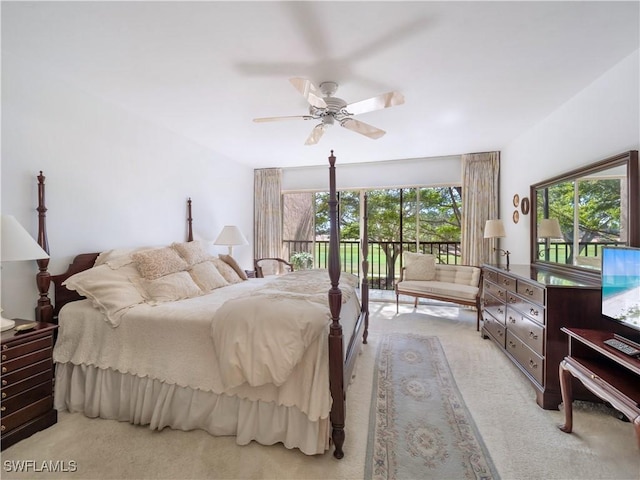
<point x="265" y="359"/>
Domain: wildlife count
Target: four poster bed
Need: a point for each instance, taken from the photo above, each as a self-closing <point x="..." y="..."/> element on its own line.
<point x="266" y="360"/>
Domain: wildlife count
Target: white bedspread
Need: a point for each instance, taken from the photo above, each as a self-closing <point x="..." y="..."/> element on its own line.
<point x="172" y="343"/>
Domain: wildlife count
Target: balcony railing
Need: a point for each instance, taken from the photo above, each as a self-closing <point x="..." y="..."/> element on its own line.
<point x="385" y="258"/>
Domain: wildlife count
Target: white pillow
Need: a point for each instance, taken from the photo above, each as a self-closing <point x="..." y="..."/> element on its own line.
<point x="192" y="252"/>
<point x="207" y="276"/>
<point x="158" y="262"/>
<point x="227" y="271"/>
<point x="111" y="291"/>
<point x="419" y="266"/>
<point x="168" y="288"/>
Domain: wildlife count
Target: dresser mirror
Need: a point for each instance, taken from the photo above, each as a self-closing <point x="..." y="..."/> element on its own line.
<point x="576" y="214"/>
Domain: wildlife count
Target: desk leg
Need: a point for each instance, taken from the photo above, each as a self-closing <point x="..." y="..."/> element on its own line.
<point x="565" y="388"/>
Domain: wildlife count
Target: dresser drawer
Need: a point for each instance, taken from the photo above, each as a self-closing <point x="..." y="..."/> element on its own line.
<point x="527" y="358"/>
<point x="527" y="331"/>
<point x="494" y="290"/>
<point x="491" y="275"/>
<point x="494" y="328"/>
<point x="25" y="360"/>
<point x="494" y="306"/>
<point x="12" y="387"/>
<point x="509" y="283"/>
<point x="534" y="293"/>
<point x="27" y="397"/>
<point x="42" y="406"/>
<point x="9" y="352"/>
<point x="533" y="311"/>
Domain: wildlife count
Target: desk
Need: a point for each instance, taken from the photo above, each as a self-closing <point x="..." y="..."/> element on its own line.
<point x="608" y="373"/>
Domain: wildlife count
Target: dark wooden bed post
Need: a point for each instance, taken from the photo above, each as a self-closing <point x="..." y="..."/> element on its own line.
<point x="189" y="222"/>
<point x="336" y="358"/>
<point x="44" y="309"/>
<point x="364" y="287"/>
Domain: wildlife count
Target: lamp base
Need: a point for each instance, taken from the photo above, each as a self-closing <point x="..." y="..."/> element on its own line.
<point x="6" y="324"/>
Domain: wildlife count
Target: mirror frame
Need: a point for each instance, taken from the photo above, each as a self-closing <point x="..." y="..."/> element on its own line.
<point x="628" y="159"/>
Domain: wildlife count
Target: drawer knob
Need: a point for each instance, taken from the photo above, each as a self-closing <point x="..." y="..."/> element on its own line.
<point x="533" y="335"/>
<point x="511" y="319"/>
<point x="3" y="428"/>
<point x="4" y="394"/>
<point x="4" y="357"/>
<point x="4" y="383"/>
<point x="500" y="310"/>
<point x="4" y="369"/>
<point x="534" y="312"/>
<point x="3" y="408"/>
<point x="511" y="344"/>
<point x="4" y="347"/>
<point x="533" y="364"/>
<point x="529" y="292"/>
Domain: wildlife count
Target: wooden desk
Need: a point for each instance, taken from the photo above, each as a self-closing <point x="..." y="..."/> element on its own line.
<point x="608" y="373"/>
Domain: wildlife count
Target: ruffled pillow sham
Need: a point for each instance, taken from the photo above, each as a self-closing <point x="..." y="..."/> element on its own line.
<point x="192" y="252"/>
<point x="168" y="288"/>
<point x="158" y="262"/>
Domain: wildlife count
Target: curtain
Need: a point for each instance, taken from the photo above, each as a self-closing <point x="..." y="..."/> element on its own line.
<point x="480" y="185"/>
<point x="267" y="210"/>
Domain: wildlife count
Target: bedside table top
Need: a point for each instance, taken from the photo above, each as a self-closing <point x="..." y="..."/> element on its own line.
<point x="12" y="335"/>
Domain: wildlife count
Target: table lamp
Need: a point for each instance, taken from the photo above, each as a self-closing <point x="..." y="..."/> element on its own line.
<point x="495" y="229"/>
<point x="17" y="245"/>
<point x="230" y="236"/>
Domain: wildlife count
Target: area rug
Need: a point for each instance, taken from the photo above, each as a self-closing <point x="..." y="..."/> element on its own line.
<point x="419" y="426"/>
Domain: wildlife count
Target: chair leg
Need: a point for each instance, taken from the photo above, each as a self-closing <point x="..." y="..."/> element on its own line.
<point x="397" y="301"/>
<point x="415" y="303"/>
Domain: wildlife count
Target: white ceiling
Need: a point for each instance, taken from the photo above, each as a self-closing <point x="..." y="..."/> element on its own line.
<point x="475" y="75"/>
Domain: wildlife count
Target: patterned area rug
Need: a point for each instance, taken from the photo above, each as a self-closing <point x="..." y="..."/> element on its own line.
<point x="419" y="425"/>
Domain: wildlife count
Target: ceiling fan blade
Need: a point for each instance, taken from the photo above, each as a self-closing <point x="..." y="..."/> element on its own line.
<point x="315" y="135"/>
<point x="362" y="128"/>
<point x="385" y="100"/>
<point x="309" y="91"/>
<point x="277" y="119"/>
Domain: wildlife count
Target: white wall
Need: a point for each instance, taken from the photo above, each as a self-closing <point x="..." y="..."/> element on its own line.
<point x="396" y="173"/>
<point x="601" y="121"/>
<point x="113" y="179"/>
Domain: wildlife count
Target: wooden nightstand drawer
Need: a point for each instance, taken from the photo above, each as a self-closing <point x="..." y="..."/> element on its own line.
<point x="494" y="306"/>
<point x="9" y="422"/>
<point x="15" y="385"/>
<point x="25" y="360"/>
<point x="10" y="352"/>
<point x="495" y="329"/>
<point x="27" y="397"/>
<point x="494" y="290"/>
<point x="507" y="282"/>
<point x="27" y="381"/>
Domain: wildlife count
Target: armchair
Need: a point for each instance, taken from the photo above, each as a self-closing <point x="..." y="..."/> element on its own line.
<point x="271" y="266"/>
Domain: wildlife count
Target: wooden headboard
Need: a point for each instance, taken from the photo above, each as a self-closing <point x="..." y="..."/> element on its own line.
<point x="46" y="311"/>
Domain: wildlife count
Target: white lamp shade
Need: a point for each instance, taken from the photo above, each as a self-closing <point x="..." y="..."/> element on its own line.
<point x="549" y="228"/>
<point x="17" y="244"/>
<point x="494" y="229"/>
<point x="231" y="235"/>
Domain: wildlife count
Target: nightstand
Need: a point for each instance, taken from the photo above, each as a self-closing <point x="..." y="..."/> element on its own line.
<point x="27" y="382"/>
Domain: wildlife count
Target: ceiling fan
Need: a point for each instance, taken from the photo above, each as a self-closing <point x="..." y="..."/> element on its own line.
<point x="328" y="109"/>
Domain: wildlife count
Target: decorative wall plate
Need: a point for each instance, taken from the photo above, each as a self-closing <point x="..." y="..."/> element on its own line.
<point x="516" y="200"/>
<point x="524" y="206"/>
<point x="516" y="216"/>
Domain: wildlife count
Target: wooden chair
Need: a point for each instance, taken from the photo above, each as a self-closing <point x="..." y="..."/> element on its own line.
<point x="271" y="266"/>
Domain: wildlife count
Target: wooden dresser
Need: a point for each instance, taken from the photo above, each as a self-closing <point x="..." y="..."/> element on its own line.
<point x="523" y="311"/>
<point x="27" y="382"/>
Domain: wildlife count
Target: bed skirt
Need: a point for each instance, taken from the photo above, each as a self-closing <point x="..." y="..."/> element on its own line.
<point x="114" y="395"/>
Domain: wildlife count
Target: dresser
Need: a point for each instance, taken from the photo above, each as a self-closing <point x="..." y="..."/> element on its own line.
<point x="27" y="382"/>
<point x="523" y="311"/>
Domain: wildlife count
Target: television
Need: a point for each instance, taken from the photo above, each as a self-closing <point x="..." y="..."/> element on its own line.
<point x="621" y="289"/>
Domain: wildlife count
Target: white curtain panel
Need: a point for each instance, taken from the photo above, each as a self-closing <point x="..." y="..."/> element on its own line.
<point x="480" y="185"/>
<point x="267" y="213"/>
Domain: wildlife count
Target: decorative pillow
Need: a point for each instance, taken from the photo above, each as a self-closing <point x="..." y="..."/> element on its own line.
<point x="226" y="271"/>
<point x="168" y="288"/>
<point x="192" y="252"/>
<point x="207" y="276"/>
<point x="117" y="257"/>
<point x="158" y="262"/>
<point x="228" y="259"/>
<point x="111" y="291"/>
<point x="419" y="266"/>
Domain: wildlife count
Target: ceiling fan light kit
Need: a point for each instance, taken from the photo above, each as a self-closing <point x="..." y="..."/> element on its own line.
<point x="328" y="109"/>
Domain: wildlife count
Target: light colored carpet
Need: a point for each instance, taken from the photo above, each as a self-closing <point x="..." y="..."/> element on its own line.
<point x="522" y="439"/>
